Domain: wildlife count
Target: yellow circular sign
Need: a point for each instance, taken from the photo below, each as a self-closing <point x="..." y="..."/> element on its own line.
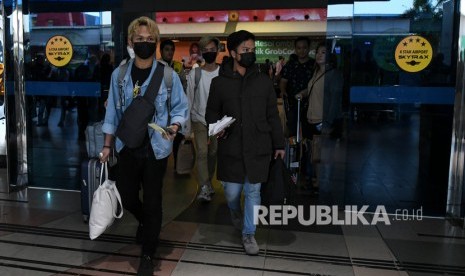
<point x="413" y="53"/>
<point x="59" y="51"/>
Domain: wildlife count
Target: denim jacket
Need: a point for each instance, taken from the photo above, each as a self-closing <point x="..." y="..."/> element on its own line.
<point x="116" y="107"/>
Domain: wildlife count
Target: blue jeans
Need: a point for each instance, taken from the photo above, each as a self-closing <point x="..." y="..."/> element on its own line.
<point x="232" y="192"/>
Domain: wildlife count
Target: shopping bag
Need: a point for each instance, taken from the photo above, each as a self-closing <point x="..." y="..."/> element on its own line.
<point x="106" y="203"/>
<point x="186" y="157"/>
<point x="316" y="149"/>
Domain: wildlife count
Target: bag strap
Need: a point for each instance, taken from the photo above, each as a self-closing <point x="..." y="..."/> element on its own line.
<point x="155" y="83"/>
<point x="319" y="77"/>
<point x="118" y="197"/>
<point x="103" y="167"/>
<point x="113" y="187"/>
<point x="168" y="78"/>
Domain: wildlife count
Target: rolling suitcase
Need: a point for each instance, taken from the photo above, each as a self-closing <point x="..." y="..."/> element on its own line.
<point x="95" y="139"/>
<point x="90" y="180"/>
<point x="293" y="149"/>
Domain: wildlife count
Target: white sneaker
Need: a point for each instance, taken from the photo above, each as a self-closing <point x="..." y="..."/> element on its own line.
<point x="204" y="194"/>
<point x="250" y="244"/>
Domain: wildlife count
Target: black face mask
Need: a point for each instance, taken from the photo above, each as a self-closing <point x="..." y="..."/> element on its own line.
<point x="247" y="59"/>
<point x="209" y="57"/>
<point x="144" y="50"/>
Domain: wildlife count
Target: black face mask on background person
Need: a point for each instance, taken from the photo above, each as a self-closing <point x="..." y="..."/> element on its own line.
<point x="209" y="57"/>
<point x="247" y="59"/>
<point x="144" y="50"/>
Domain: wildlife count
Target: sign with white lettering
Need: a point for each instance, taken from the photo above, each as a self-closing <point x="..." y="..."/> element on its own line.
<point x="413" y="53"/>
<point x="272" y="49"/>
<point x="59" y="51"/>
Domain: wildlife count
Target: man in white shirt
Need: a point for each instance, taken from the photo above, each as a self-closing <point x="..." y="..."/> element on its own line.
<point x="198" y="88"/>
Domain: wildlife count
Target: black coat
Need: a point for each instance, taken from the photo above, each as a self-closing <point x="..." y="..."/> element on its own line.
<point x="257" y="132"/>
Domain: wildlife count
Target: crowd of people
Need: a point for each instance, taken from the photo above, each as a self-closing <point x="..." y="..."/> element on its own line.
<point x="237" y="87"/>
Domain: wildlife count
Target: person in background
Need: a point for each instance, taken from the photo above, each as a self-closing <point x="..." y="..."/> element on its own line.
<point x="103" y="72"/>
<point x="87" y="110"/>
<point x="279" y="67"/>
<point x="267" y="68"/>
<point x="194" y="56"/>
<point x="40" y="71"/>
<point x="294" y="78"/>
<point x="143" y="166"/>
<point x="167" y="49"/>
<point x="66" y="102"/>
<point x="247" y="146"/>
<point x="198" y="92"/>
<point x="324" y="96"/>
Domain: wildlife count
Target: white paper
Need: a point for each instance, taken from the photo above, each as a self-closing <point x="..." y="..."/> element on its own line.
<point x="215" y="128"/>
<point x="158" y="128"/>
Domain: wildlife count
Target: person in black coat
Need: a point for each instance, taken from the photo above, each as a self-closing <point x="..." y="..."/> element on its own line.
<point x="245" y="148"/>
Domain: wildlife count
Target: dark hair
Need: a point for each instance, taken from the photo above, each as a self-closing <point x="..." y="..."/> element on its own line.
<point x="302" y="38"/>
<point x="331" y="58"/>
<point x="236" y="38"/>
<point x="293" y="57"/>
<point x="321" y="44"/>
<point x="193" y="44"/>
<point x="105" y="59"/>
<point x="167" y="42"/>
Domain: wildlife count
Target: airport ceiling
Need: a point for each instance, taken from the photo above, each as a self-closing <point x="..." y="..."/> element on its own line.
<point x="37" y="6"/>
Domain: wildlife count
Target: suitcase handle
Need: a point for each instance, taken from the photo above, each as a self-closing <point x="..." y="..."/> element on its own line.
<point x="299" y="100"/>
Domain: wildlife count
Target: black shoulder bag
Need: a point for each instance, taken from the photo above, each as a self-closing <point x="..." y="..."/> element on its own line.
<point x="133" y="125"/>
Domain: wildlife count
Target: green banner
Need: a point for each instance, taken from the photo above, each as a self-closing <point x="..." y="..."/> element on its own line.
<point x="272" y="49"/>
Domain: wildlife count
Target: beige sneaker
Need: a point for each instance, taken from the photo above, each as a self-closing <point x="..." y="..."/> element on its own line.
<point x="250" y="244"/>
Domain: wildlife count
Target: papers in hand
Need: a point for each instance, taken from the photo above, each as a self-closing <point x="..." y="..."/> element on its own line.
<point x="215" y="128"/>
<point x="158" y="128"/>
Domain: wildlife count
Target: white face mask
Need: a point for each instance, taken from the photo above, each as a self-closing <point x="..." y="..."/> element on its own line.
<point x="131" y="52"/>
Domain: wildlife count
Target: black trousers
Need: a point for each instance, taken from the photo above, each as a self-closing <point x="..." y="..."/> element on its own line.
<point x="176" y="143"/>
<point x="136" y="171"/>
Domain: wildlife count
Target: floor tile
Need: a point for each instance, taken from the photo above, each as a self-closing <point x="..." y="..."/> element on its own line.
<point x="323" y="267"/>
<point x="363" y="271"/>
<point x="188" y="269"/>
<point x="310" y="243"/>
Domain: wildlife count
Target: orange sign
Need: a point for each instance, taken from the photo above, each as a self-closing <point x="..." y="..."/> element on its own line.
<point x="413" y="53"/>
<point x="59" y="51"/>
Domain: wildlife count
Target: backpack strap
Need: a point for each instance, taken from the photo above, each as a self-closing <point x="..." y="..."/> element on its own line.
<point x="198" y="74"/>
<point x="122" y="72"/>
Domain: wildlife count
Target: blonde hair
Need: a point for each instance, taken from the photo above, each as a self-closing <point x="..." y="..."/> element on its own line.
<point x="144" y="21"/>
<point x="207" y="39"/>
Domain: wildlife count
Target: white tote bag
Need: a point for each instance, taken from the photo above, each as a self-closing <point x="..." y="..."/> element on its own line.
<point x="104" y="205"/>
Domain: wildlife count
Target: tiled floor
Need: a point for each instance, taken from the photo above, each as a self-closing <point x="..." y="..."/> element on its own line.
<point x="42" y="232"/>
<point x="45" y="235"/>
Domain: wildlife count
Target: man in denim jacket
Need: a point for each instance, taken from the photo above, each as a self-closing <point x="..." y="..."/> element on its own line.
<point x="145" y="165"/>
